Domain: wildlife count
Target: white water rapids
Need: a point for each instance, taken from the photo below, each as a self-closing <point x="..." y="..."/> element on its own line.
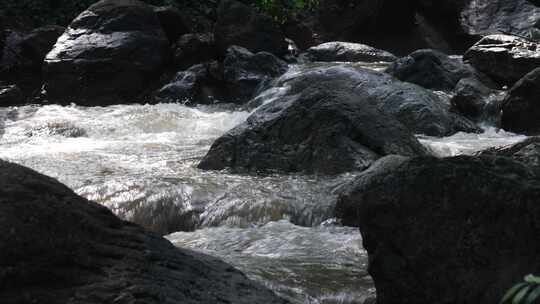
<point x="140" y="161"/>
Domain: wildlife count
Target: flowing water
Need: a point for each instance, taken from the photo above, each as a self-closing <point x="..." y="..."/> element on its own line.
<point x="140" y="161"/>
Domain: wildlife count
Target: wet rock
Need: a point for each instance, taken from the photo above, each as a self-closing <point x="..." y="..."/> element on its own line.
<point x="433" y="70"/>
<point x="521" y="107"/>
<point x="454" y="230"/>
<point x="475" y="100"/>
<point x="465" y="21"/>
<point x="319" y="126"/>
<point x="108" y="54"/>
<point x="504" y="58"/>
<point x="348" y="52"/>
<point x="201" y="84"/>
<point x="240" y="24"/>
<point x="172" y="22"/>
<point x="10" y="95"/>
<point x="26" y="51"/>
<point x="191" y="49"/>
<point x="88" y="255"/>
<point x="527" y="152"/>
<point x="245" y="72"/>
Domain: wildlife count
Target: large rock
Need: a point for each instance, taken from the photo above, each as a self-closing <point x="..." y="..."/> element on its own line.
<point x="456" y="230"/>
<point x="504" y="58"/>
<point x="317" y="127"/>
<point x="245" y="72"/>
<point x="348" y="52"/>
<point x="107" y="55"/>
<point x="57" y="247"/>
<point x="240" y="24"/>
<point x="433" y="70"/>
<point x="237" y="79"/>
<point x="463" y="21"/>
<point x="521" y="107"/>
<point x="172" y="21"/>
<point x="191" y="49"/>
<point x="419" y="109"/>
<point x="527" y="152"/>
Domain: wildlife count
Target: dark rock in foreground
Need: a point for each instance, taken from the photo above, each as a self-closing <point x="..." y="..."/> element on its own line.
<point x="521" y="107"/>
<point x="456" y="230"/>
<point x="504" y="58"/>
<point x="432" y="69"/>
<point x="172" y="21"/>
<point x="107" y="55"/>
<point x="240" y="24"/>
<point x="60" y="248"/>
<point x="318" y="126"/>
<point x="348" y="52"/>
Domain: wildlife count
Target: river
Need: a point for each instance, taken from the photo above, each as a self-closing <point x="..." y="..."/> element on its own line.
<point x="140" y="161"/>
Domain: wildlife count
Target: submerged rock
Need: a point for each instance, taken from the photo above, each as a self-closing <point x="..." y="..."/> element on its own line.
<point x="521" y="107"/>
<point x="348" y="52"/>
<point x="455" y="230"/>
<point x="61" y="248"/>
<point x="318" y="126"/>
<point x="432" y="69"/>
<point x="240" y="24"/>
<point x="107" y="55"/>
<point x="504" y="58"/>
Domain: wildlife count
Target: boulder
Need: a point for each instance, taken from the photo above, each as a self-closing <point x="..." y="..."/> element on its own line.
<point x="200" y="84"/>
<point x="464" y="21"/>
<point x="172" y="22"/>
<point x="454" y="230"/>
<point x="433" y="70"/>
<point x="504" y="58"/>
<point x="317" y="127"/>
<point x="476" y="101"/>
<point x="347" y="52"/>
<point x="246" y="73"/>
<point x="108" y="54"/>
<point x="242" y="25"/>
<point x="191" y="49"/>
<point x="527" y="152"/>
<point x="10" y="95"/>
<point x="61" y="248"/>
<point x="24" y="52"/>
<point x="521" y="106"/>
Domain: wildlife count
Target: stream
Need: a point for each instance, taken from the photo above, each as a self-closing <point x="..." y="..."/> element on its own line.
<point x="140" y="161"/>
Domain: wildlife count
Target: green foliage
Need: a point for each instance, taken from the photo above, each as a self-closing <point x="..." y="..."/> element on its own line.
<point x="527" y="292"/>
<point x="281" y="9"/>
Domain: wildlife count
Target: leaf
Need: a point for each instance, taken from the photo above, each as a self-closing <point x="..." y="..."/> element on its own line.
<point x="521" y="295"/>
<point x="533" y="296"/>
<point x="511" y="292"/>
<point x="532" y="279"/>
